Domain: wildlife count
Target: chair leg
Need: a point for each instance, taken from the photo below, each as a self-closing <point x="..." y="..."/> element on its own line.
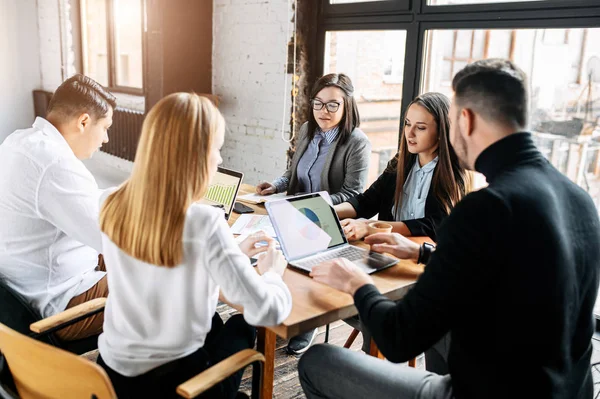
<point x="351" y="338"/>
<point x="327" y="334"/>
<point x="257" y="370"/>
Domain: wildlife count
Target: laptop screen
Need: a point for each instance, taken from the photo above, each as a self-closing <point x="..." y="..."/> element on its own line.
<point x="223" y="189"/>
<point x="305" y="225"/>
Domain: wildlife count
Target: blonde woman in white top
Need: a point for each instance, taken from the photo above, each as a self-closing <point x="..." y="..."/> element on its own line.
<point x="170" y="256"/>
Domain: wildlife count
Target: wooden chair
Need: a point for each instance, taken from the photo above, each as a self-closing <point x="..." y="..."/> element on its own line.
<point x="38" y="370"/>
<point x="18" y="314"/>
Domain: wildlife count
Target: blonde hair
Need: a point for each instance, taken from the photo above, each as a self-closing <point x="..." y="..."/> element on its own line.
<point x="145" y="217"/>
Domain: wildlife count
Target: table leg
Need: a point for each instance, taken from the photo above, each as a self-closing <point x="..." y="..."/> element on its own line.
<point x="374" y="351"/>
<point x="266" y="345"/>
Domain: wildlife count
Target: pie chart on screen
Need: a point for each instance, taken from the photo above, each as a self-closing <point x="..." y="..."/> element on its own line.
<point x="310" y="230"/>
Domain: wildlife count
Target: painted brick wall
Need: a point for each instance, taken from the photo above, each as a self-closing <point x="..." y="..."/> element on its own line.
<point x="19" y="65"/>
<point x="248" y="73"/>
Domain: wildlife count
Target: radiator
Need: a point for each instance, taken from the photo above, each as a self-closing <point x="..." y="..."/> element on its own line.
<point x="124" y="133"/>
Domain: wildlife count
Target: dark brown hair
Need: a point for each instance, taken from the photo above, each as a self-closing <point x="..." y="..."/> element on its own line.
<point x="450" y="182"/>
<point x="496" y="89"/>
<point x="350" y="119"/>
<point x="80" y="94"/>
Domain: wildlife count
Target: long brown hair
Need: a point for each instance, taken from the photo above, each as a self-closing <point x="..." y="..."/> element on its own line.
<point x="145" y="217"/>
<point x="450" y="181"/>
<point x="350" y="119"/>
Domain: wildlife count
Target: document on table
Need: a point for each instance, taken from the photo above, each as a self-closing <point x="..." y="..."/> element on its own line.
<point x="248" y="224"/>
<point x="254" y="198"/>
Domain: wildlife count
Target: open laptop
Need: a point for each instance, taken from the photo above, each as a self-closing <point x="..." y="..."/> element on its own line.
<point x="309" y="233"/>
<point x="223" y="190"/>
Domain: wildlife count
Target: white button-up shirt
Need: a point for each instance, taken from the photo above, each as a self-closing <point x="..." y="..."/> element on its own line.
<point x="49" y="230"/>
<point x="155" y="315"/>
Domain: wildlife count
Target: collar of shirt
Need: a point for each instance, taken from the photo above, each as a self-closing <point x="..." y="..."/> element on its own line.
<point x="506" y="152"/>
<point x="329" y="135"/>
<point x="428" y="167"/>
<point x="52" y="133"/>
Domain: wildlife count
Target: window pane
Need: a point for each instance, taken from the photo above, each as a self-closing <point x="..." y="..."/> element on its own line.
<point x="462" y="49"/>
<point x="565" y="113"/>
<point x="94" y="40"/>
<point x="457" y="2"/>
<point x="374" y="61"/>
<point x="128" y="43"/>
<point x="499" y="44"/>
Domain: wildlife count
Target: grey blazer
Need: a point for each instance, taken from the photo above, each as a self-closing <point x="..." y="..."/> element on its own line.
<point x="345" y="171"/>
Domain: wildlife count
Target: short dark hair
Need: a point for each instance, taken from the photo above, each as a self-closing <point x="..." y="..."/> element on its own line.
<point x="350" y="120"/>
<point x="80" y="94"/>
<point x="494" y="88"/>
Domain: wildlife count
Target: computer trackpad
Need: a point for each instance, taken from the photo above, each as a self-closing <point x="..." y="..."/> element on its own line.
<point x="374" y="262"/>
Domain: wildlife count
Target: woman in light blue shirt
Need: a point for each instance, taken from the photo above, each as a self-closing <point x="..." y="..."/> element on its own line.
<point x="421" y="184"/>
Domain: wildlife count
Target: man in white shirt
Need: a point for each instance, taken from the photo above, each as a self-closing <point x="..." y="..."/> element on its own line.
<point x="49" y="236"/>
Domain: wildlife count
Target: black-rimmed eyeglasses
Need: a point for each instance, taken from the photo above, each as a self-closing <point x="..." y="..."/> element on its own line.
<point x="331" y="106"/>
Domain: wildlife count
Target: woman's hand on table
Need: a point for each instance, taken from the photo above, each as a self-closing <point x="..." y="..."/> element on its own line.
<point x="355" y="229"/>
<point x="272" y="260"/>
<point x="266" y="188"/>
<point x="249" y="247"/>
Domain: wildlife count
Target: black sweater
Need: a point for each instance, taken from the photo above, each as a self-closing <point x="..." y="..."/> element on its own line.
<point x="379" y="199"/>
<point x="514" y="279"/>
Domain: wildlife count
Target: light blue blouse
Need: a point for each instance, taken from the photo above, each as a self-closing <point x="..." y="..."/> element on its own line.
<point x="416" y="189"/>
<point x="312" y="161"/>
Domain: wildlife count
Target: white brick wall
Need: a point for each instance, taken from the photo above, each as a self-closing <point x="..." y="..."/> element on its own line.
<point x="249" y="55"/>
<point x="49" y="30"/>
<point x="19" y="64"/>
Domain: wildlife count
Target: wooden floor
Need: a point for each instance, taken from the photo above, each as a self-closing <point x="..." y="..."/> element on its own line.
<point x="287" y="385"/>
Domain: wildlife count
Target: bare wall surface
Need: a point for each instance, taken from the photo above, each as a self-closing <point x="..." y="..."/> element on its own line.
<point x="250" y="39"/>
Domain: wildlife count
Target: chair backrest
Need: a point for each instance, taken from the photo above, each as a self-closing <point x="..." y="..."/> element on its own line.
<point x="43" y="371"/>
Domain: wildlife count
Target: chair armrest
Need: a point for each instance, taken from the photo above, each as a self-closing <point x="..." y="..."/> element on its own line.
<point x="217" y="373"/>
<point x="69" y="316"/>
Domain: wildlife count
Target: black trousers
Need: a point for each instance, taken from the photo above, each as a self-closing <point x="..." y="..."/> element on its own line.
<point x="222" y="341"/>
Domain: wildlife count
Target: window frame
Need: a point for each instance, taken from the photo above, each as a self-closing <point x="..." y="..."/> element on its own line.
<point x="543" y="5"/>
<point x="365" y="8"/>
<point x="111" y="49"/>
<point x="419" y="17"/>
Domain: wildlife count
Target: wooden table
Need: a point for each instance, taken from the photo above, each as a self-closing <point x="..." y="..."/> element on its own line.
<point x="315" y="304"/>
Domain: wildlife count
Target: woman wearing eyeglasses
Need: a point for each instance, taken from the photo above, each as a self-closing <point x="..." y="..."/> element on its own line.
<point x="332" y="153"/>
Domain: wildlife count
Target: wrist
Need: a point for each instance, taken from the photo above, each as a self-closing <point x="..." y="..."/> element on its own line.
<point x="357" y="282"/>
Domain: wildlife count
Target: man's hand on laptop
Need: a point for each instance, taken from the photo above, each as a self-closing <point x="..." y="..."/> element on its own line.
<point x="394" y="244"/>
<point x="272" y="260"/>
<point x="249" y="247"/>
<point x="341" y="274"/>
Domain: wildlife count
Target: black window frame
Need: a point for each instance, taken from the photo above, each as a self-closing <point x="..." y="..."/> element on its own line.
<point x="419" y="17"/>
<point x="111" y="50"/>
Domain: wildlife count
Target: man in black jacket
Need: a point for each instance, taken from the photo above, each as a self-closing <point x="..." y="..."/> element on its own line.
<point x="514" y="277"/>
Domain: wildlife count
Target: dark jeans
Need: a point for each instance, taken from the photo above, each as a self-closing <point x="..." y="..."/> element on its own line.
<point x="222" y="341"/>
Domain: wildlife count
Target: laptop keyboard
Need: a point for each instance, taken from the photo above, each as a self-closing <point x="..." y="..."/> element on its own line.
<point x="349" y="252"/>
